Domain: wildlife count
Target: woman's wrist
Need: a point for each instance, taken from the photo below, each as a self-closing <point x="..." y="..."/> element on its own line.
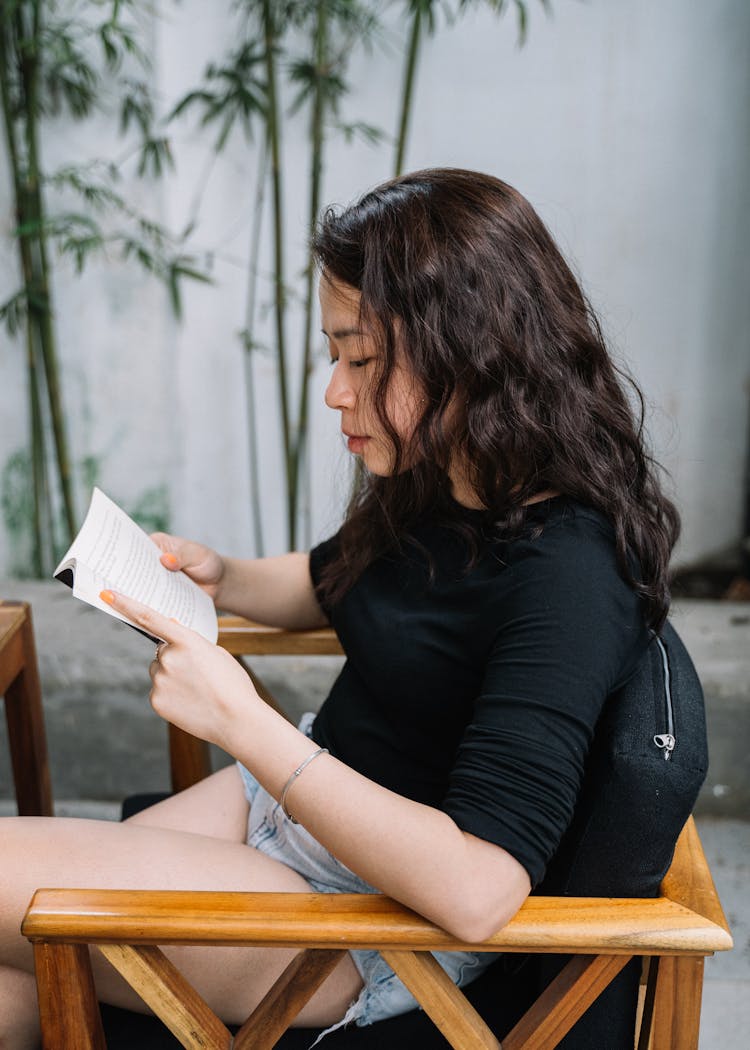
<point x="222" y="591"/>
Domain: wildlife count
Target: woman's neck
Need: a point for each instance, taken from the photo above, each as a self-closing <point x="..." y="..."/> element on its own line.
<point x="463" y="492"/>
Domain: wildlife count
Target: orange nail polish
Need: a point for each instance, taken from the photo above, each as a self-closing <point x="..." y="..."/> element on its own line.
<point x="107" y="596"/>
<point x="171" y="560"/>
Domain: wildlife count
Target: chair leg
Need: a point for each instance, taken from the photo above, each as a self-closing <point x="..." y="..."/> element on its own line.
<point x="276" y="1011"/>
<point x="644" y="1027"/>
<point x="189" y="759"/>
<point x="68" y="1009"/>
<point x="28" y="744"/>
<point x="442" y="1001"/>
<point x="564" y="1001"/>
<point x="677" y="1002"/>
<point x="160" y="984"/>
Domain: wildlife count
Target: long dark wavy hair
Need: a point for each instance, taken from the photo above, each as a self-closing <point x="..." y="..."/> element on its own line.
<point x="458" y="272"/>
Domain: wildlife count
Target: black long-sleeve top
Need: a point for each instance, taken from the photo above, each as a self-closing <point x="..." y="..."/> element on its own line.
<point x="477" y="692"/>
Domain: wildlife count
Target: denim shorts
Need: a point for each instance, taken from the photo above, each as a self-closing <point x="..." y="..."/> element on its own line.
<point x="270" y="831"/>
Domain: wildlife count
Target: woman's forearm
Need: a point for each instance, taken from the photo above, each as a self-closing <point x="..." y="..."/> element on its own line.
<point x="276" y="591"/>
<point x="410" y="851"/>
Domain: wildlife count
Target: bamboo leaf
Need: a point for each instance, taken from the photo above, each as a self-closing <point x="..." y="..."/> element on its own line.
<point x="192" y="97"/>
<point x="13" y="312"/>
<point x="183" y="269"/>
<point x="136" y="108"/>
<point x="117" y="41"/>
<point x="369" y="133"/>
<point x="69" y="78"/>
<point x="112" y="55"/>
<point x="232" y="93"/>
<point x="522" y="22"/>
<point x="330" y="83"/>
<point x="96" y="194"/>
<point x="155" y="156"/>
<point x="81" y="247"/>
<point x="55" y="225"/>
<point x="152" y="230"/>
<point x="177" y="270"/>
<point x="250" y="344"/>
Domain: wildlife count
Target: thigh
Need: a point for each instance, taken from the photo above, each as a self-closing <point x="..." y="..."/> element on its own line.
<point x="98" y="854"/>
<point x="215" y="806"/>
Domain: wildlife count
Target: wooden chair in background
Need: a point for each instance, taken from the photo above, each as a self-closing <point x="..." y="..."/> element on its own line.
<point x="19" y="685"/>
<point x="672" y="933"/>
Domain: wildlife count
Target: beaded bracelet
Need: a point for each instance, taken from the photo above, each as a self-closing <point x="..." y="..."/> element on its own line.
<point x="293" y="777"/>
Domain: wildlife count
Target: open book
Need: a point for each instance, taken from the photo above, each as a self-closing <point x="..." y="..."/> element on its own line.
<point x="112" y="552"/>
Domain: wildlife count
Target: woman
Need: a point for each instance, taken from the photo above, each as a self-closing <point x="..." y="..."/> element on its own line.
<point x="499" y="574"/>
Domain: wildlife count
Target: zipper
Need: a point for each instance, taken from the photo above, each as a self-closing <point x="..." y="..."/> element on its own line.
<point x="666" y="741"/>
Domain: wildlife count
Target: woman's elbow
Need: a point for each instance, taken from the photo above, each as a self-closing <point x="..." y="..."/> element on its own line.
<point x="475" y="928"/>
<point x="478" y="917"/>
<point x="482" y="905"/>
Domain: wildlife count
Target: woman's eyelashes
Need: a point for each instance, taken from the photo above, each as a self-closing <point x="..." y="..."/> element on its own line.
<point x="359" y="362"/>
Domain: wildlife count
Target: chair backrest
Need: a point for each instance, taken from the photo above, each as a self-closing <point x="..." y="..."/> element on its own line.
<point x="647" y="763"/>
<point x="648" y="760"/>
<point x="632" y="807"/>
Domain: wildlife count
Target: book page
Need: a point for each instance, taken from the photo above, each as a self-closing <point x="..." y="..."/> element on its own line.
<point x="111" y="551"/>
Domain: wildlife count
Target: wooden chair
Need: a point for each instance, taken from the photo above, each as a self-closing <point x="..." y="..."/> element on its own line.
<point x="19" y="685"/>
<point x="672" y="933"/>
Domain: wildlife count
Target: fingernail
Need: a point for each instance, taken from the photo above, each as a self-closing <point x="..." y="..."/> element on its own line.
<point x="108" y="597"/>
<point x="170" y="560"/>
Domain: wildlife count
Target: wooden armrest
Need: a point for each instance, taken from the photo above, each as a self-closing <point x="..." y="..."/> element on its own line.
<point x="602" y="935"/>
<point x="246" y="638"/>
<point x="689" y="882"/>
<point x="549" y="924"/>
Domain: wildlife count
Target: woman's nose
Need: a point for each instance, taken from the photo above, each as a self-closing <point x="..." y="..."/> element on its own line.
<point x="339" y="393"/>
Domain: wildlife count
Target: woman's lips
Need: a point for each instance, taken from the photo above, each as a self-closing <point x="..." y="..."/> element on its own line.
<point x="356" y="443"/>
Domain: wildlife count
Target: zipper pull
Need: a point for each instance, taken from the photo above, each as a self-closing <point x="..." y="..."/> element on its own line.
<point x="666" y="741"/>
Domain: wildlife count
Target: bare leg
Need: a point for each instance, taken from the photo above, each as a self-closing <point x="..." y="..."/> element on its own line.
<point x="165" y="848"/>
<point x="215" y="806"/>
<point x="18" y="1010"/>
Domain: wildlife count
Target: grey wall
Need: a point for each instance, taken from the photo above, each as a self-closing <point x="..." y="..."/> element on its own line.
<point x="625" y="124"/>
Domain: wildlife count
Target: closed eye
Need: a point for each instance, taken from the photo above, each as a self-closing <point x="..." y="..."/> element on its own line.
<point x="359" y="363"/>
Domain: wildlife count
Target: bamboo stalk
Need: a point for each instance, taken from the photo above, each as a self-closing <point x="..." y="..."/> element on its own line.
<point x="36" y="435"/>
<point x="252" y="290"/>
<point x="316" y="175"/>
<point x="273" y="125"/>
<point x="42" y="307"/>
<point x="408" y="88"/>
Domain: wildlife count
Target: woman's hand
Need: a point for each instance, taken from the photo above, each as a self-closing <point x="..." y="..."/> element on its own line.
<point x="196" y="685"/>
<point x="200" y="563"/>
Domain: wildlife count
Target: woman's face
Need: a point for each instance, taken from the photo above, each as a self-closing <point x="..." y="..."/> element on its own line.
<point x="356" y="359"/>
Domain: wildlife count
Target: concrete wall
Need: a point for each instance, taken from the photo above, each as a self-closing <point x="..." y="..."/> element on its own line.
<point x="625" y="124"/>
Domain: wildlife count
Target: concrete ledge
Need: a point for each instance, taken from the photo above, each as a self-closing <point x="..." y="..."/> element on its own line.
<point x="106" y="743"/>
<point x="717" y="636"/>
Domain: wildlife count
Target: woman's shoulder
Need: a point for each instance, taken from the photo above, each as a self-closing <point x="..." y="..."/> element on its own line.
<point x="565" y="555"/>
<point x="562" y="527"/>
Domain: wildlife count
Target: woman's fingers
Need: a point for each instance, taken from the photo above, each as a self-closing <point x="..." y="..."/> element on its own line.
<point x="195" y="685"/>
<point x="149" y="619"/>
<point x="199" y="562"/>
<point x="169" y="547"/>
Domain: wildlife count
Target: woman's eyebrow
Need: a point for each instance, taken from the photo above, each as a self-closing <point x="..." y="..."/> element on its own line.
<point x="342" y="333"/>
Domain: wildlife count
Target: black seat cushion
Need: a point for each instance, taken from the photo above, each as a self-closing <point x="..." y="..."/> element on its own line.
<point x="620" y="843"/>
